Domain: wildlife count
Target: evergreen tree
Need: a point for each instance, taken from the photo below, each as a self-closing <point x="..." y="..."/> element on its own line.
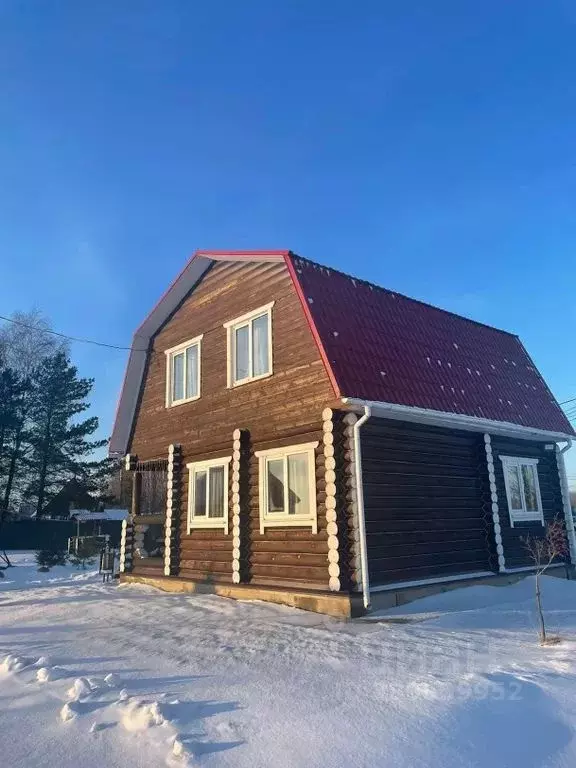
<point x="59" y="442"/>
<point x="8" y="407"/>
<point x="15" y="393"/>
<point x="24" y="343"/>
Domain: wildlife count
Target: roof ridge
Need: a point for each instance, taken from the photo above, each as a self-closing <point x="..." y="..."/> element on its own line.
<point x="403" y="295"/>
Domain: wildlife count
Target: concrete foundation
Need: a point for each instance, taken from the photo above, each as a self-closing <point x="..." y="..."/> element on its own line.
<point x="342" y="605"/>
<point x="339" y="604"/>
<point x="392" y="598"/>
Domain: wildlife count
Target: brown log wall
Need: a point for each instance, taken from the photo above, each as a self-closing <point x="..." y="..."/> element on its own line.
<point x="284" y="409"/>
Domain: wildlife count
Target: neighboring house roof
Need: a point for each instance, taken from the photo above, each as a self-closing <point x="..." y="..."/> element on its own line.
<point x="85" y="515"/>
<point x="379" y="345"/>
<point x="72" y="492"/>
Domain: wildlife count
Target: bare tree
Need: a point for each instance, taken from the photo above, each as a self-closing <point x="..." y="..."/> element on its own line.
<point x="26" y="340"/>
<point x="544" y="551"/>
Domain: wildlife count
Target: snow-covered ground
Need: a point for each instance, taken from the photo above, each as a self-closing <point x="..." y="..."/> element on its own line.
<point x="97" y="675"/>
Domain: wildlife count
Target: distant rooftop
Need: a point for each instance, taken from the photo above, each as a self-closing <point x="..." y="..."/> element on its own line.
<point x="85" y="515"/>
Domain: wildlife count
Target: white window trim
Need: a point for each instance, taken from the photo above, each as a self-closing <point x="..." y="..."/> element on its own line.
<point x="524" y="515"/>
<point x="206" y="522"/>
<point x="283" y="520"/>
<point x="231" y="326"/>
<point x="196" y="341"/>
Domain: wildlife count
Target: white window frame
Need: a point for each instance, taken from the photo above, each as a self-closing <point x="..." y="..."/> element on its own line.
<point x="231" y="327"/>
<point x="205" y="521"/>
<point x="170" y="354"/>
<point x="522" y="515"/>
<point x="283" y="519"/>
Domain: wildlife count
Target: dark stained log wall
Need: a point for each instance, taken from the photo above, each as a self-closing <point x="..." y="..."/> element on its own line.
<point x="284" y="409"/>
<point x="549" y="480"/>
<point x="426" y="500"/>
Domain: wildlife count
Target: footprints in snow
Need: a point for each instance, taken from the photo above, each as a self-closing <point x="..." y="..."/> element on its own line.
<point x="15" y="664"/>
<point x="86" y="694"/>
<point x="84" y="690"/>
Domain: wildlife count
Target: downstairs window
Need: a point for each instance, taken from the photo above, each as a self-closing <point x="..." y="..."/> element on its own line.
<point x="522" y="489"/>
<point x="287" y="485"/>
<point x="208" y="494"/>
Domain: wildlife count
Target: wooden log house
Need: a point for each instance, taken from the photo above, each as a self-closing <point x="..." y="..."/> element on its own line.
<point x="298" y="435"/>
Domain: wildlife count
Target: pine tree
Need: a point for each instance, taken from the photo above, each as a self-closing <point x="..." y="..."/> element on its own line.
<point x="24" y="342"/>
<point x="8" y="408"/>
<point x="15" y="394"/>
<point x="59" y="442"/>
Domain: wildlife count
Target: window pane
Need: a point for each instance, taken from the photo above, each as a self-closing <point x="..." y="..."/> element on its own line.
<point x="530" y="494"/>
<point x="299" y="487"/>
<point x="216" y="479"/>
<point x="275" y="485"/>
<point x="241" y="370"/>
<point x="260" y="346"/>
<point x="514" y="486"/>
<point x="200" y="493"/>
<point x="192" y="371"/>
<point x="178" y="377"/>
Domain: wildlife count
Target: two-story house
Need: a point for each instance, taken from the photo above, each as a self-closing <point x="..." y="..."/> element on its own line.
<point x="298" y="435"/>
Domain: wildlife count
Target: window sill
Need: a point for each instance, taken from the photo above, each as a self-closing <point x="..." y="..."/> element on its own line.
<point x="535" y="518"/>
<point x="235" y="384"/>
<point x="289" y="522"/>
<point x="214" y="524"/>
<point x="175" y="403"/>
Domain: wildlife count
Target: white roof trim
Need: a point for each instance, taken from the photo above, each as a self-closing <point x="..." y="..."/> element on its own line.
<point x="192" y="273"/>
<point x="136" y="366"/>
<point x="455" y="420"/>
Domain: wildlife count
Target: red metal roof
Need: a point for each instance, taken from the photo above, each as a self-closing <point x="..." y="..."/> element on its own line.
<point x="386" y="347"/>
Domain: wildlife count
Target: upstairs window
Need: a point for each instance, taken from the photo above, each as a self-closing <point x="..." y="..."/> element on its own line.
<point x="522" y="489"/>
<point x="250" y="346"/>
<point x="183" y="372"/>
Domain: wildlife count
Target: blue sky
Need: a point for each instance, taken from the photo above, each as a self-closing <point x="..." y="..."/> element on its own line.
<point x="430" y="147"/>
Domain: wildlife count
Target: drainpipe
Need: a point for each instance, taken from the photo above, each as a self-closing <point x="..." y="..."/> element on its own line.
<point x="360" y="502"/>
<point x="568" y="516"/>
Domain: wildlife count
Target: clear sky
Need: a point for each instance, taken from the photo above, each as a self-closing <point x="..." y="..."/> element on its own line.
<point x="427" y="146"/>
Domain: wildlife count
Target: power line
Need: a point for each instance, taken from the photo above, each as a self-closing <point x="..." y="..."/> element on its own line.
<point x="70" y="338"/>
<point x="572" y="400"/>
